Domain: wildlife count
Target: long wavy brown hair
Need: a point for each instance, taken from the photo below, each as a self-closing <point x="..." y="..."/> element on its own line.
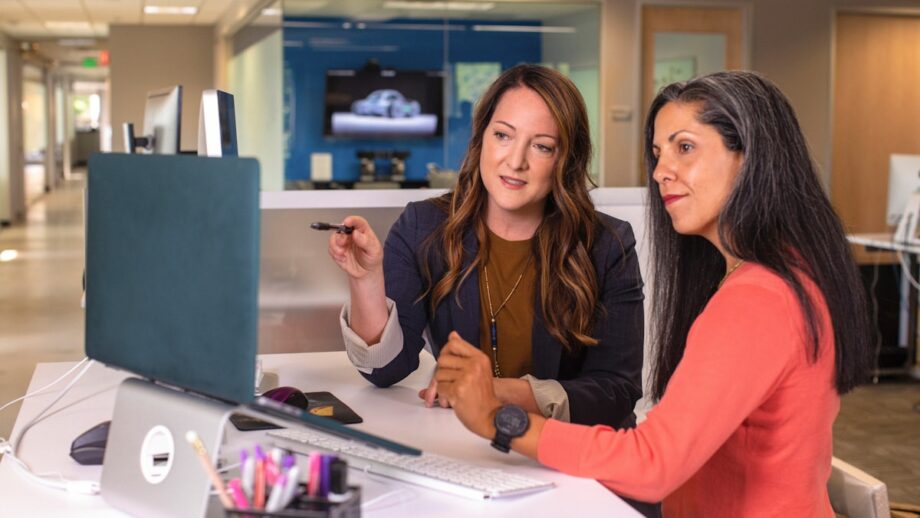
<point x="562" y="248"/>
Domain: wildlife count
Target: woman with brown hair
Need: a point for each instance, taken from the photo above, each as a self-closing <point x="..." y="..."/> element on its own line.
<point x="515" y="260"/>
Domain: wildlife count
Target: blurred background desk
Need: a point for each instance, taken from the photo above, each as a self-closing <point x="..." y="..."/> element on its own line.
<point x="907" y="255"/>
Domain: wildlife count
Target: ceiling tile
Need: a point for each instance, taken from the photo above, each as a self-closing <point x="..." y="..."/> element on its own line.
<point x="209" y="11"/>
<point x="25" y="30"/>
<point x="120" y="16"/>
<point x="56" y="9"/>
<point x="13" y="10"/>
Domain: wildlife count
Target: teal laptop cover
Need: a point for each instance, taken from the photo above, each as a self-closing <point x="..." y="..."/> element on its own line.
<point x="172" y="269"/>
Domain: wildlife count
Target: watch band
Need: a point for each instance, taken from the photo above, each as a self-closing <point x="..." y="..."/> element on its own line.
<point x="501" y="442"/>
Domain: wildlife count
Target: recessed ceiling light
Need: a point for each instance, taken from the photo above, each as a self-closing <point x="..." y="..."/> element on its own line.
<point x="170" y="9"/>
<point x="439" y="6"/>
<point x="8" y="255"/>
<point x="271" y="11"/>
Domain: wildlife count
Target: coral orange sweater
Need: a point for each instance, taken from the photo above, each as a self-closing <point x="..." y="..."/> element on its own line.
<point x="745" y="426"/>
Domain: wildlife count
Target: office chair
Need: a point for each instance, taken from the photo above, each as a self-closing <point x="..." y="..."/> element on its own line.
<point x="856" y="494"/>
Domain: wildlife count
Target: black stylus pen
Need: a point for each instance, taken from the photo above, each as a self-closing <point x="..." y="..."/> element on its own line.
<point x="342" y="229"/>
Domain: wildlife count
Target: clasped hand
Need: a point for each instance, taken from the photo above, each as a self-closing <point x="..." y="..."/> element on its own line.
<point x="464" y="380"/>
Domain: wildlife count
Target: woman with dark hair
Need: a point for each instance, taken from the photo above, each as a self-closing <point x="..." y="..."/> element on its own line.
<point x="759" y="320"/>
<point x="515" y="259"/>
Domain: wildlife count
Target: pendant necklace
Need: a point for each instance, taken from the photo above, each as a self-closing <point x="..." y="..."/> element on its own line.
<point x="493" y="329"/>
<point x="729" y="272"/>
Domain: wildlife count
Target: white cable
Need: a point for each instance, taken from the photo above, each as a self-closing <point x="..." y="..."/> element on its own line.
<point x="875" y="323"/>
<point x="15" y="440"/>
<point x="46" y="387"/>
<point x="906" y="268"/>
<point x="53" y="480"/>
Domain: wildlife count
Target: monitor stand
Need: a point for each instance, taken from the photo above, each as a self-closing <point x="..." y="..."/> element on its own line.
<point x="908" y="224"/>
<point x="149" y="468"/>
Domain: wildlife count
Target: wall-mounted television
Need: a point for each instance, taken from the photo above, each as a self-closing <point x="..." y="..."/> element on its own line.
<point x="384" y="103"/>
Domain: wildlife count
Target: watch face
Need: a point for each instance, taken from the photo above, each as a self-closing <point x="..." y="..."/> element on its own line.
<point x="512" y="420"/>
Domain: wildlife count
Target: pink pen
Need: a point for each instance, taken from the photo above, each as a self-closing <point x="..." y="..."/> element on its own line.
<point x="271" y="469"/>
<point x="314" y="466"/>
<point x="237" y="494"/>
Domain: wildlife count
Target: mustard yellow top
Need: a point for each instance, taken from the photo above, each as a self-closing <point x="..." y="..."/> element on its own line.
<point x="507" y="259"/>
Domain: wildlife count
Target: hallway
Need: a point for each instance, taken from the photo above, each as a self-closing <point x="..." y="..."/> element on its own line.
<point x="40" y="315"/>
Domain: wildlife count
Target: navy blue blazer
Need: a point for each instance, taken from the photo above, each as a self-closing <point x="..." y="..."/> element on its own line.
<point x="603" y="381"/>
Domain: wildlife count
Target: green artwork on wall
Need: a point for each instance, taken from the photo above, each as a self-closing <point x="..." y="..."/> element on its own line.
<point x="670" y="70"/>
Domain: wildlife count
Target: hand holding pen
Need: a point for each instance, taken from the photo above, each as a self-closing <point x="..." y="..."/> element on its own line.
<point x="358" y="253"/>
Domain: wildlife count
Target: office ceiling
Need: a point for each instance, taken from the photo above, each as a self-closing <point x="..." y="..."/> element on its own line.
<point x="52" y="19"/>
<point x="43" y="19"/>
<point x="378" y="10"/>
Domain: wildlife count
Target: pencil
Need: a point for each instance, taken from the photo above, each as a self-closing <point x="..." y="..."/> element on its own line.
<point x="192" y="437"/>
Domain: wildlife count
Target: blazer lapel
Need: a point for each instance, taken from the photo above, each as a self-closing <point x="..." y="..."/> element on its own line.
<point x="466" y="319"/>
<point x="547" y="352"/>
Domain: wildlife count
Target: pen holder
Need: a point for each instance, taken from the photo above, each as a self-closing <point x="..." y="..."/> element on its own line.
<point x="305" y="506"/>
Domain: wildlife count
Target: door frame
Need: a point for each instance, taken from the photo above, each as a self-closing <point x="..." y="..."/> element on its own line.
<point x="747" y="24"/>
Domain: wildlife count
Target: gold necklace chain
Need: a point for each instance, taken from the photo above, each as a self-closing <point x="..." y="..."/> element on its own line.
<point x="729" y="272"/>
<point x="493" y="330"/>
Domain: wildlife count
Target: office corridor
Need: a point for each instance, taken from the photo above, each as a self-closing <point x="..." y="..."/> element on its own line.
<point x="40" y="315"/>
<point x="41" y="321"/>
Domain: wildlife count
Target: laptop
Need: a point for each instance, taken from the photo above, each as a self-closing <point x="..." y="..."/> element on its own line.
<point x="172" y="269"/>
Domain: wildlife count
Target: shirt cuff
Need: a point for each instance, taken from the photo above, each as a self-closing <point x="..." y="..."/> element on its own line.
<point x="369" y="357"/>
<point x="552" y="399"/>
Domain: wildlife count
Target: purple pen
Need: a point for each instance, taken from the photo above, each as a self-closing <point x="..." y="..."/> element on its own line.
<point x="288" y="462"/>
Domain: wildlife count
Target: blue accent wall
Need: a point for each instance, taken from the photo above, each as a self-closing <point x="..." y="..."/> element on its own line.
<point x="313" y="45"/>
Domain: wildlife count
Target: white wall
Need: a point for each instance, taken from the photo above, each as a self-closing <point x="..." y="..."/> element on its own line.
<point x="255" y="75"/>
<point x="4" y="142"/>
<point x="12" y="194"/>
<point x="144" y="58"/>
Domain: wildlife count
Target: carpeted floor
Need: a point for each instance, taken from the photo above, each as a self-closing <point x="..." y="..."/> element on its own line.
<point x="878" y="431"/>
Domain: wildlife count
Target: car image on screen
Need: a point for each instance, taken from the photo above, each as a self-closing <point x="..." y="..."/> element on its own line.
<point x="386" y="103"/>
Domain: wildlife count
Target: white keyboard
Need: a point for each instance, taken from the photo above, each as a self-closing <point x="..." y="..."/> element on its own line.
<point x="428" y="470"/>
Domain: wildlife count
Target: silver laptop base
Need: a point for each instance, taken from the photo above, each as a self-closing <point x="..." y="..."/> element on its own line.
<point x="149" y="468"/>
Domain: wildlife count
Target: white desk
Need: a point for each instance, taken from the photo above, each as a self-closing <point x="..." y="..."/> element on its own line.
<point x="884" y="242"/>
<point x="395" y="413"/>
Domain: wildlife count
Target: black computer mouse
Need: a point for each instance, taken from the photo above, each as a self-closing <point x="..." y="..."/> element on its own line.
<point x="89" y="447"/>
<point x="289" y="396"/>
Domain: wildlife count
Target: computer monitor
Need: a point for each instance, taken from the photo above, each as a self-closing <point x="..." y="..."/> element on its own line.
<point x="217" y="125"/>
<point x="162" y="121"/>
<point x="903" y="180"/>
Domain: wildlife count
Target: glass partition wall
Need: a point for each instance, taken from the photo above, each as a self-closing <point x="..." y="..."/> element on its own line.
<point x="379" y="93"/>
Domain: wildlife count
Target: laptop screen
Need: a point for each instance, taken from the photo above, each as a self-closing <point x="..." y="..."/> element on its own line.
<point x="172" y="269"/>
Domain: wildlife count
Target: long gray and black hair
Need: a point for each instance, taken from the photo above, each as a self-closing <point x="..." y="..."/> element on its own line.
<point x="777" y="215"/>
